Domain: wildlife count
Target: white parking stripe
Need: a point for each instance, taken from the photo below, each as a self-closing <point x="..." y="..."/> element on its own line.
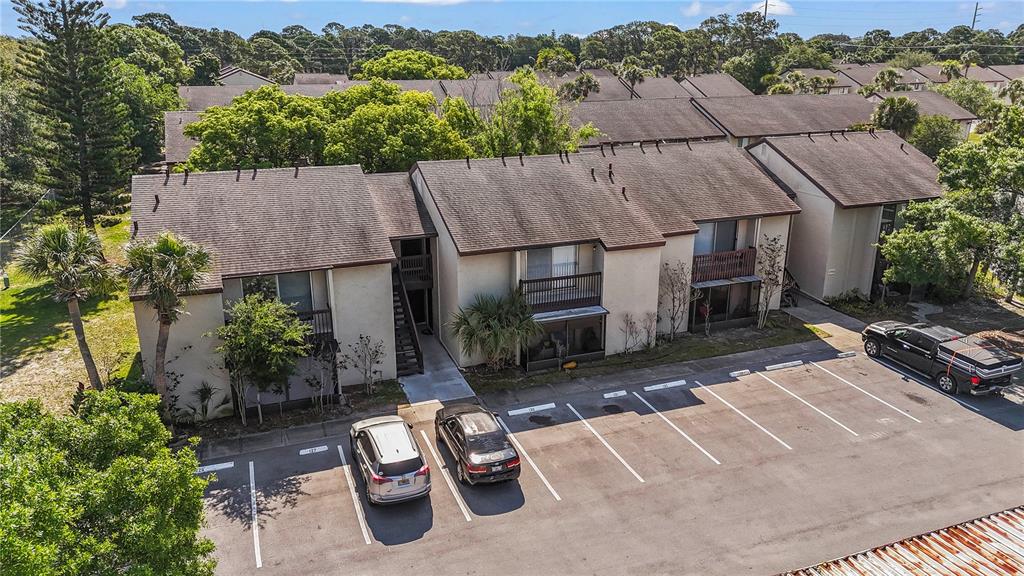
<point x="352" y="492"/>
<point x="844" y="380"/>
<point x="522" y="451"/>
<point x="447" y="478"/>
<point x="606" y="444"/>
<point x="255" y="519"/>
<point x="677" y="429"/>
<point x="892" y="366"/>
<point x="809" y="405"/>
<point x="747" y="418"/>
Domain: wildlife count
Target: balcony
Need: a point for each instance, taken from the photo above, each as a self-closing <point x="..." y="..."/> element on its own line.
<point x="562" y="292"/>
<point x="321" y="323"/>
<point x="722" y="265"/>
<point x="417" y="271"/>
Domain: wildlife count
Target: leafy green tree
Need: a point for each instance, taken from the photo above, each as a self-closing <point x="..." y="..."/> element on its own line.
<point x="147" y="98"/>
<point x="270" y="59"/>
<point x="749" y="68"/>
<point x="968" y="94"/>
<point x="71" y="84"/>
<point x="530" y="119"/>
<point x="148" y="49"/>
<point x="464" y="119"/>
<point x="1013" y="91"/>
<point x="205" y="68"/>
<point x="164" y="269"/>
<point x="898" y="114"/>
<point x="263" y="128"/>
<point x="558" y="55"/>
<point x="410" y="65"/>
<point x="781" y="88"/>
<point x="19" y="140"/>
<point x="911" y="255"/>
<point x="1009" y="260"/>
<point x="803" y="56"/>
<point x="391" y="137"/>
<point x="70" y="257"/>
<point x="934" y="133"/>
<point x="98" y="492"/>
<point x="260" y="345"/>
<point x="496" y="327"/>
<point x="911" y="59"/>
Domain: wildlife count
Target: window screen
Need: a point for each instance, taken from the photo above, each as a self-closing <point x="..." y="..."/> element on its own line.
<point x="266" y="285"/>
<point x="538" y="263"/>
<point x="296" y="291"/>
<point x="704" y="243"/>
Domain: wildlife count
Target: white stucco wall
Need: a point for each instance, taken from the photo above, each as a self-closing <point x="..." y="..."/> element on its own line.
<point x="676" y="249"/>
<point x="361" y="304"/>
<point x="811" y="235"/>
<point x="446" y="265"/>
<point x="630" y="285"/>
<point x="191" y="355"/>
<point x="852" y="253"/>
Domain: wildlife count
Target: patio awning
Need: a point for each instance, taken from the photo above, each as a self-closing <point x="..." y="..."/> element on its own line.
<point x="570" y="314"/>
<point x="726" y="281"/>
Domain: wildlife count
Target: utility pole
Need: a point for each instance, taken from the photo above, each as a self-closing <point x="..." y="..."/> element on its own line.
<point x="973" y="20"/>
<point x="766" y="11"/>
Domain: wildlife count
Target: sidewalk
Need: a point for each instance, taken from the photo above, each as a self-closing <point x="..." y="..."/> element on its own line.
<point x="845" y="330"/>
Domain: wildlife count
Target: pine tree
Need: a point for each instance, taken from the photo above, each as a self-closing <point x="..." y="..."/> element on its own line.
<point x="89" y="157"/>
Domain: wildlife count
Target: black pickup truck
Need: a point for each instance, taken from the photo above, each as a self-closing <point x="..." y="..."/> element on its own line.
<point x="956" y="362"/>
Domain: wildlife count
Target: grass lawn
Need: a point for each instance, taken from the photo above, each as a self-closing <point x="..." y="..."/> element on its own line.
<point x="38" y="354"/>
<point x="782" y="329"/>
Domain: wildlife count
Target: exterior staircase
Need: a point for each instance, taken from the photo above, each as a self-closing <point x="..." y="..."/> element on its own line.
<point x="408" y="354"/>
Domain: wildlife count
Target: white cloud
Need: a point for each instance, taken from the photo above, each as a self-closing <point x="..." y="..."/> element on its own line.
<point x="693" y="9"/>
<point x="433" y="2"/>
<point x="776" y="7"/>
<point x="115" y="4"/>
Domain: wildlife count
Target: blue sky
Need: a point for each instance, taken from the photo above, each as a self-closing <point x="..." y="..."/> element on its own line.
<point x="805" y="17"/>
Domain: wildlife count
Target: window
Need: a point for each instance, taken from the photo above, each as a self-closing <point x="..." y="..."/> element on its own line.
<point x="551" y="262"/>
<point x="715" y="237"/>
<point x="367" y="447"/>
<point x="293" y="289"/>
<point x="566" y="339"/>
<point x="722" y="303"/>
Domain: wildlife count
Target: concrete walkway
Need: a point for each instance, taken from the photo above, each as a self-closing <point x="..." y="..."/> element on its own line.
<point x="845" y="330"/>
<point x="441" y="379"/>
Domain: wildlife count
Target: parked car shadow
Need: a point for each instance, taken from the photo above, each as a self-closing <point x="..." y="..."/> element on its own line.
<point x="399" y="523"/>
<point x="484" y="499"/>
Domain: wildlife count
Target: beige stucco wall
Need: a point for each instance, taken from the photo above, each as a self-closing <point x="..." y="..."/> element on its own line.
<point x="492" y="274"/>
<point x="446" y="267"/>
<point x="361" y="304"/>
<point x="811" y="236"/>
<point x="768" y="228"/>
<point x="676" y="249"/>
<point x="630" y="286"/>
<point x="851" y="259"/>
<point x="191" y="355"/>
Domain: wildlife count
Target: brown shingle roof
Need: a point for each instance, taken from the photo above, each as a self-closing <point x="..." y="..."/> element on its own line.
<point x="714" y="85"/>
<point x="865" y="73"/>
<point x="1009" y="71"/>
<point x="177" y="146"/>
<point x="323" y="217"/>
<point x="645" y="119"/>
<point x="235" y="70"/>
<point x="476" y="91"/>
<point x="494" y="206"/>
<point x="402" y="213"/>
<point x="783" y="114"/>
<point x="661" y="88"/>
<point x="862" y="169"/>
<point x="199" y="98"/>
<point x="930" y="102"/>
<point x="934" y="73"/>
<point x="611" y="87"/>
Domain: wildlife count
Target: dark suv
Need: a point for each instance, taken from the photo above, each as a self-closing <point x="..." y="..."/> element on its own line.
<point x="956" y="362"/>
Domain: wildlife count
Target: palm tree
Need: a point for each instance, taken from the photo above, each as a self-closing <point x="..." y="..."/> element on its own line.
<point x="950" y="69"/>
<point x="495" y="326"/>
<point x="969" y="58"/>
<point x="887" y="79"/>
<point x="634" y="75"/>
<point x="164" y="269"/>
<point x="898" y="114"/>
<point x="71" y="259"/>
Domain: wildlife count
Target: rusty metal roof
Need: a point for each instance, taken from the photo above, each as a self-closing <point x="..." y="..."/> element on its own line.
<point x="989" y="546"/>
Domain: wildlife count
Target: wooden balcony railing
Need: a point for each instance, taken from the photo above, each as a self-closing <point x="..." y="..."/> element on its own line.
<point x="416" y="269"/>
<point x="721" y="265"/>
<point x="321" y="323"/>
<point x="562" y="292"/>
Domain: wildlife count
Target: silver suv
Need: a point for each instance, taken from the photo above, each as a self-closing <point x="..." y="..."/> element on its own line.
<point x="389" y="459"/>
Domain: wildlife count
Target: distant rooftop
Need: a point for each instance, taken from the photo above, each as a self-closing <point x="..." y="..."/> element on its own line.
<point x="714" y="86"/>
<point x="318" y="78"/>
<point x="931" y="102"/>
<point x="665" y="119"/>
<point x="934" y="74"/>
<point x="177" y="146"/>
<point x="863" y="74"/>
<point x="1009" y="71"/>
<point x="784" y="114"/>
<point x="841" y="81"/>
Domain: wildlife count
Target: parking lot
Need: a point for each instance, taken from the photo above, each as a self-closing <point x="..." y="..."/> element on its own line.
<point x="721" y="473"/>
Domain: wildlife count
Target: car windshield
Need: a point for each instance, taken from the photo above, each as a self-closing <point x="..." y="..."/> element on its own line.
<point x="401" y="468"/>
